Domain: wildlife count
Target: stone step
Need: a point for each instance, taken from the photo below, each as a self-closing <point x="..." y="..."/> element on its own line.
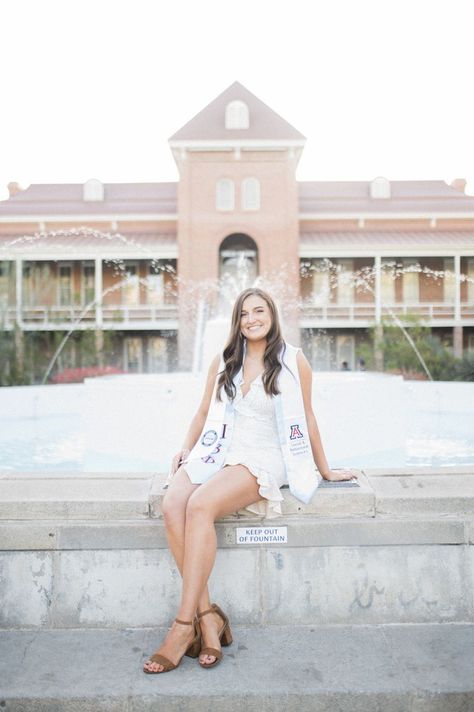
<point x="74" y="495"/>
<point x="409" y="668"/>
<point x="88" y="573"/>
<point x="301" y="531"/>
<point x="427" y="494"/>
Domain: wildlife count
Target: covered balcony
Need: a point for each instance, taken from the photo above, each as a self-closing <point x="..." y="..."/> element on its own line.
<point x="360" y="291"/>
<point x="112" y="294"/>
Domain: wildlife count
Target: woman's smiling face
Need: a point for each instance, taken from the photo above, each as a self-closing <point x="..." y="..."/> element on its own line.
<point x="255" y="318"/>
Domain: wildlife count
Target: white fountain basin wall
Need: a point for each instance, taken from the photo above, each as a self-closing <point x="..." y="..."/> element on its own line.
<point x="136" y="422"/>
<point x="144" y="418"/>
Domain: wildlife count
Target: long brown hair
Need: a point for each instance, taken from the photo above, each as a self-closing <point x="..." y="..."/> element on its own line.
<point x="234" y="349"/>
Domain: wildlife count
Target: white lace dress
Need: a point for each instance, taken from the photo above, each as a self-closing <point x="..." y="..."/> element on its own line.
<point x="255" y="444"/>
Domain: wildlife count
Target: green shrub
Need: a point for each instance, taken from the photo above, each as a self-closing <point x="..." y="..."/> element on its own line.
<point x="399" y="356"/>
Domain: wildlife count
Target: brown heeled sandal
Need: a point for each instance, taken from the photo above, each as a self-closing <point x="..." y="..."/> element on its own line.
<point x="193" y="650"/>
<point x="225" y="636"/>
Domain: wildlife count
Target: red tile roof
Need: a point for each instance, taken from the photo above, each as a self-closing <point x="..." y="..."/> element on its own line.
<point x="85" y="238"/>
<point x="318" y="197"/>
<point x="346" y="240"/>
<point x="406" y="196"/>
<point x="67" y="199"/>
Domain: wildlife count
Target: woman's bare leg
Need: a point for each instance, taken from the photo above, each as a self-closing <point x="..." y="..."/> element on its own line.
<point x="174" y="515"/>
<point x="229" y="490"/>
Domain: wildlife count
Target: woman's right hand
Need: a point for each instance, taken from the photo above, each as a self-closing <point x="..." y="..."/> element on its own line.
<point x="177" y="460"/>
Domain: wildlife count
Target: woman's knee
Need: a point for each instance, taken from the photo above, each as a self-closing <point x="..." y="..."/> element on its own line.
<point x="173" y="506"/>
<point x="198" y="504"/>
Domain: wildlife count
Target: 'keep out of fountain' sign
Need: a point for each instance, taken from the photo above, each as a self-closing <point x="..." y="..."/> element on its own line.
<point x="261" y="535"/>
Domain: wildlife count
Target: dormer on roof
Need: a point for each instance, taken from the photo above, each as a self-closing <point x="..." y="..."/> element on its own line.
<point x="380" y="188"/>
<point x="93" y="190"/>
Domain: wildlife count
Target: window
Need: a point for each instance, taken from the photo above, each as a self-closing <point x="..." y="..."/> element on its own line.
<point x="65" y="285"/>
<point x="27" y="286"/>
<point x="250" y="196"/>
<point x="387" y="281"/>
<point x="88" y="282"/>
<point x="470" y="280"/>
<point x="93" y="190"/>
<point x="345" y="351"/>
<point x="4" y="283"/>
<point x="236" y="115"/>
<point x="155" y="282"/>
<point x="449" y="280"/>
<point x="130" y="285"/>
<point x="321" y="290"/>
<point x="345" y="284"/>
<point x="411" y="281"/>
<point x="133" y="354"/>
<point x="157" y="354"/>
<point x="225" y="194"/>
<point x="321" y="352"/>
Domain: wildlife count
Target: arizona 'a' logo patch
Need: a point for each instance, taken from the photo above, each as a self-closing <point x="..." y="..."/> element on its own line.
<point x="295" y="432"/>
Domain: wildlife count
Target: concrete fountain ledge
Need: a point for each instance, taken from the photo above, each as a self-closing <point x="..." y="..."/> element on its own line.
<point x="111" y="496"/>
<point x="89" y="550"/>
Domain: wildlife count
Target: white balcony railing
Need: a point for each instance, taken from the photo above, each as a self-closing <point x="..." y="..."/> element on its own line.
<point x="140" y="312"/>
<point x="328" y="312"/>
<point x="46" y="316"/>
<point x="431" y="311"/>
<point x="149" y="314"/>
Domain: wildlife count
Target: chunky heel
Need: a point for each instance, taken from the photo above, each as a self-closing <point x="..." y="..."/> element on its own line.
<point x="194" y="649"/>
<point x="226" y="636"/>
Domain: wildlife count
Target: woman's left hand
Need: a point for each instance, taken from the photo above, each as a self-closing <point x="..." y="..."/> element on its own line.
<point x="338" y="475"/>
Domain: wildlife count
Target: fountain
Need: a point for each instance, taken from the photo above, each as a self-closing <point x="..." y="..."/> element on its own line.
<point x="136" y="422"/>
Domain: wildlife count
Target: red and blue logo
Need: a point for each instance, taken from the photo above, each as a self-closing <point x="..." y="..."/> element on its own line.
<point x="295" y="432"/>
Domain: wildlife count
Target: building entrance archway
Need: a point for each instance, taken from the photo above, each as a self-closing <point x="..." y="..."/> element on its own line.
<point x="238" y="266"/>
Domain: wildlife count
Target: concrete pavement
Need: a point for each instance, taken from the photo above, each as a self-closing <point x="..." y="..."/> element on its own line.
<point x="338" y="668"/>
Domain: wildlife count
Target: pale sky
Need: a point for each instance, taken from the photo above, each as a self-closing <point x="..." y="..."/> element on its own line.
<point x="94" y="88"/>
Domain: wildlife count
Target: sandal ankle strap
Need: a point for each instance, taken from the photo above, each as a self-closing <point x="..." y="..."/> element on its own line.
<point x="203" y="613"/>
<point x="184" y="622"/>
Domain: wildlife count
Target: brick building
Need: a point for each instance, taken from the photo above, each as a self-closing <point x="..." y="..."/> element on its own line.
<point x="236" y="213"/>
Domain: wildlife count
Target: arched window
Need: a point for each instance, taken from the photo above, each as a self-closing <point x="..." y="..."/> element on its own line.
<point x="225" y="194"/>
<point x="237" y="115"/>
<point x="250" y="196"/>
<point x="93" y="190"/>
<point x="380" y="188"/>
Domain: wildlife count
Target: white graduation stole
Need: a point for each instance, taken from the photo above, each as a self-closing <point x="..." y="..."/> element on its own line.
<point x="303" y="477"/>
<point x="208" y="455"/>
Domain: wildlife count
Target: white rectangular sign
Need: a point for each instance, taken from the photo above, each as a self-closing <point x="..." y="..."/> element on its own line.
<point x="261" y="535"/>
